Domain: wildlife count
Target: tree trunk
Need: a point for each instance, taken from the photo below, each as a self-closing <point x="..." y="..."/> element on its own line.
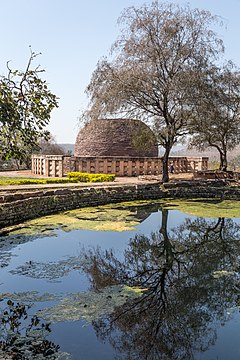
<point x="165" y="175"/>
<point x="168" y="247"/>
<point x="223" y="161"/>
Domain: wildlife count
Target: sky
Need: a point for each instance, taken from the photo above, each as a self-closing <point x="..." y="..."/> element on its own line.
<point x="73" y="35"/>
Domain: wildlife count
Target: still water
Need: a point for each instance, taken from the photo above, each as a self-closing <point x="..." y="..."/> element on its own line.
<point x="127" y="281"/>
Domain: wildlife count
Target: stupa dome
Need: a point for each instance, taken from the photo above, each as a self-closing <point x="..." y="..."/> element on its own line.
<point x="116" y="137"/>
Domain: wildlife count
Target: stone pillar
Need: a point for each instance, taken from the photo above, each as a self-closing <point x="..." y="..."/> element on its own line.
<point x="46" y="167"/>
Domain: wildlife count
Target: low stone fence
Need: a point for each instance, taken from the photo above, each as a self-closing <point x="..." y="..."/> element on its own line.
<point x="20" y="206"/>
<point x="59" y="165"/>
<point x="217" y="174"/>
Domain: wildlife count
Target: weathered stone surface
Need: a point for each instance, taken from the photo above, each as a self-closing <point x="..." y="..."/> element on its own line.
<point x="116" y="137"/>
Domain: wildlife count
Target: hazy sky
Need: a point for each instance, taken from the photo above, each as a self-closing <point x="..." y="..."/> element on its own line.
<point x="72" y="36"/>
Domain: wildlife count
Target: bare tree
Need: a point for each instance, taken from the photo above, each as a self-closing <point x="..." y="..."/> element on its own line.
<point x="149" y="72"/>
<point x="217" y="120"/>
<point x="49" y="146"/>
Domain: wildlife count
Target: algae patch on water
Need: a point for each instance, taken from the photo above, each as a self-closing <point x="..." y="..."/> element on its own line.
<point x="223" y="273"/>
<point x="91" y="305"/>
<point x="210" y="208"/>
<point x="125" y="216"/>
<point x="113" y="217"/>
<point x="29" y="296"/>
<point x="51" y="271"/>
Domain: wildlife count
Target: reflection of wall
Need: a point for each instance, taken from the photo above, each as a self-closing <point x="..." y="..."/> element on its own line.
<point x="141" y="213"/>
<point x="58" y="166"/>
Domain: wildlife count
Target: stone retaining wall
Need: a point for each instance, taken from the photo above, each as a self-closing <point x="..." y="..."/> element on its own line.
<point x="18" y="207"/>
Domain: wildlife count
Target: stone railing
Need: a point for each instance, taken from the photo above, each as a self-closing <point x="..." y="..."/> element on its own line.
<point x="59" y="165"/>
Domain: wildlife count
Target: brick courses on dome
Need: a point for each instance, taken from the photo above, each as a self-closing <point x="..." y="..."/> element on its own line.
<point x="115" y="137"/>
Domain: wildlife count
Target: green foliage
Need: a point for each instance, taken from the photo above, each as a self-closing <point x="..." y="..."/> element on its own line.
<point x="216" y="121"/>
<point x="73" y="177"/>
<point x="25" y="107"/>
<point x="85" y="177"/>
<point x="29" y="181"/>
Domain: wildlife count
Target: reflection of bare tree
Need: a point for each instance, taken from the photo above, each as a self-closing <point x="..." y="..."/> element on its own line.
<point x="187" y="288"/>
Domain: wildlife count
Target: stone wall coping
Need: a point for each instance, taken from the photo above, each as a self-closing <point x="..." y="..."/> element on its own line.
<point x="49" y="156"/>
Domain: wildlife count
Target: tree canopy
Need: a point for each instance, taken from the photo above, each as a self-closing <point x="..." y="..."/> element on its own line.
<point x="152" y="68"/>
<point x="26" y="104"/>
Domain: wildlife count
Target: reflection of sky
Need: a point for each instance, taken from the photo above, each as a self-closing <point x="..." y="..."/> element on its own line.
<point x="63" y="245"/>
<point x="55" y="248"/>
<point x="153" y="222"/>
<point x="79" y="342"/>
<point x="227" y="346"/>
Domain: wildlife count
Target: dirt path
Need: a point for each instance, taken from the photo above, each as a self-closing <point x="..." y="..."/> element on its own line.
<point x="118" y="181"/>
<point x="27" y="173"/>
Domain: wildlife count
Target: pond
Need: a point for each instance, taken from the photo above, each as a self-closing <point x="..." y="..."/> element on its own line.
<point x="144" y="280"/>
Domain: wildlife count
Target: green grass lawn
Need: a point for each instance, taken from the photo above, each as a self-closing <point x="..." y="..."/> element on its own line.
<point x="28" y="181"/>
<point x="72" y="178"/>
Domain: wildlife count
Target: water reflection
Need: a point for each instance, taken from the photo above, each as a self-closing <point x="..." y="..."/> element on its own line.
<point x="23" y="338"/>
<point x="189" y="275"/>
<point x="120" y="217"/>
<point x="192" y="276"/>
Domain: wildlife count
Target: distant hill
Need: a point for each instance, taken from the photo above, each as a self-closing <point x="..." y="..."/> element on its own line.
<point x="211" y="153"/>
<point x="179" y="150"/>
<point x="68" y="148"/>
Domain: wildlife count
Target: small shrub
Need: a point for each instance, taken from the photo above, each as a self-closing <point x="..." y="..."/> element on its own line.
<point x="72" y="177"/>
<point x="85" y="177"/>
<point x="34" y="181"/>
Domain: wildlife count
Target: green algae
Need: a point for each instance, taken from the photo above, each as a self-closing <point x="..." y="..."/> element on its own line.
<point x="124" y="216"/>
<point x="223" y="273"/>
<point x="210" y="208"/>
<point x="91" y="306"/>
<point x="113" y="217"/>
<point x="29" y="296"/>
<point x="50" y="270"/>
<point x="72" y="307"/>
<point x="24" y="336"/>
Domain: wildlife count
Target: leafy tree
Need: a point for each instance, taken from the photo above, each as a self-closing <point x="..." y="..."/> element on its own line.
<point x="149" y="72"/>
<point x="217" y="120"/>
<point x="25" y="107"/>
